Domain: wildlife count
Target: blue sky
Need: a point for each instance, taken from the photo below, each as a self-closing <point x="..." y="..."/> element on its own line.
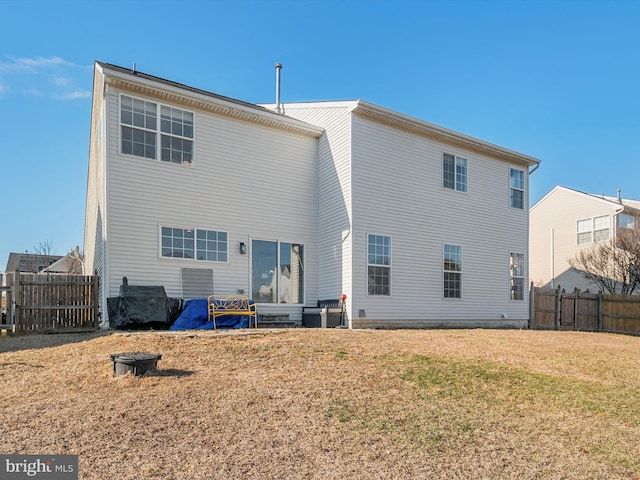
<point x="557" y="80"/>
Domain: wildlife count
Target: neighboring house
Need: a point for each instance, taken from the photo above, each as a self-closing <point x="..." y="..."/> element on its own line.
<point x="29" y="262"/>
<point x="566" y="221"/>
<point x="71" y="263"/>
<point x="418" y="225"/>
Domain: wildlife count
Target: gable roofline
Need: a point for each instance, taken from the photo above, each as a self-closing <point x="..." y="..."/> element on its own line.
<point x="611" y="201"/>
<point x="406" y="122"/>
<point x="420" y="127"/>
<point x="167" y="90"/>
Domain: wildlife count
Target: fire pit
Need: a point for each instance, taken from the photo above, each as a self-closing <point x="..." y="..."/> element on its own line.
<point x="136" y="363"/>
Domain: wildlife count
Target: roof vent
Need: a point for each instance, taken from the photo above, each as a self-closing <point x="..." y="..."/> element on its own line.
<point x="278" y="70"/>
<point x="618" y="197"/>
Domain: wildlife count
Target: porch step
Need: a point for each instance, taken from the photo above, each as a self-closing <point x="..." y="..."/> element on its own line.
<point x="276" y="321"/>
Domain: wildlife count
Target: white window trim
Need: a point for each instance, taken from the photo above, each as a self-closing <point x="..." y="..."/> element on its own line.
<point x="195" y="245"/>
<point x="523" y="189"/>
<point x="524" y="276"/>
<point x="451" y="271"/>
<point x="158" y="132"/>
<point x="592" y="231"/>
<point x="304" y="276"/>
<point x="366" y="278"/>
<point x="455" y="163"/>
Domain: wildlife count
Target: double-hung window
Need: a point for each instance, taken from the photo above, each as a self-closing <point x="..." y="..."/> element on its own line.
<point x="454" y="172"/>
<point x="516" y="276"/>
<point x="194" y="243"/>
<point x="594" y="229"/>
<point x="626" y="221"/>
<point x="143" y="136"/>
<point x="452" y="269"/>
<point x="516" y="188"/>
<point x="379" y="265"/>
<point x="601" y="228"/>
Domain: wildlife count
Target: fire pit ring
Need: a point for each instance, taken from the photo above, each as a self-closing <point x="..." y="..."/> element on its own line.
<point x="136" y="363"/>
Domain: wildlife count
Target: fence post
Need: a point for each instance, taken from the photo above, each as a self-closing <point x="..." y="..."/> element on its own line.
<point x="532" y="305"/>
<point x="96" y="299"/>
<point x="15" y="302"/>
<point x="576" y="292"/>
<point x="599" y="327"/>
<point x="558" y="305"/>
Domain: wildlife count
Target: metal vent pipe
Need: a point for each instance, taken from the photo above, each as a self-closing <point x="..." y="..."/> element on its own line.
<point x="278" y="105"/>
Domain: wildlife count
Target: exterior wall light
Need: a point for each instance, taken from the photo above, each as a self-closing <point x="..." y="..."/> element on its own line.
<point x="243" y="248"/>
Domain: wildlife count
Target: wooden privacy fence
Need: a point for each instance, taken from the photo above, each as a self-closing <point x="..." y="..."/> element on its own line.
<point x="51" y="303"/>
<point x="555" y="309"/>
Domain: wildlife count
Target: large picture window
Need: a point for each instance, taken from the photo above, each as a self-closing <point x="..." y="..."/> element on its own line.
<point x="194" y="243"/>
<point x="379" y="265"/>
<point x="454" y="172"/>
<point x="516" y="275"/>
<point x="140" y="131"/>
<point x="452" y="269"/>
<point x="277" y="272"/>
<point x="516" y="188"/>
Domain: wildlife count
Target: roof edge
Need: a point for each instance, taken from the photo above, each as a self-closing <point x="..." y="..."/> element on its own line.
<point x="414" y="124"/>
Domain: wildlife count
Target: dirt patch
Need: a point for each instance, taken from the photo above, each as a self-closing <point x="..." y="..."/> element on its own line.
<point x="311" y="403"/>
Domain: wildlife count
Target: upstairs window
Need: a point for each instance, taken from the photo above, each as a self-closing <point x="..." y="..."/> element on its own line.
<point x="379" y="265"/>
<point x="139" y="123"/>
<point x="516" y="188"/>
<point x="626" y="221"/>
<point x="584" y="231"/>
<point x="601" y="228"/>
<point x="594" y="229"/>
<point x="141" y="132"/>
<point x="454" y="172"/>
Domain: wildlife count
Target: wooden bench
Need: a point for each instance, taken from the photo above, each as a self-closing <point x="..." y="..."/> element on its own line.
<point x="229" y="304"/>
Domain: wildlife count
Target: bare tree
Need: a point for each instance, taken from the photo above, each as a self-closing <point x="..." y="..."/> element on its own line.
<point x="614" y="265"/>
<point x="41" y="257"/>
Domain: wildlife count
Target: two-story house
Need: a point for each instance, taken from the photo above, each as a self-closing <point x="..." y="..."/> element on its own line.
<point x="418" y="225"/>
<point x="565" y="221"/>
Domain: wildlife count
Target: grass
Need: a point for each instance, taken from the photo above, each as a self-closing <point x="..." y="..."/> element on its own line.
<point x="311" y="403"/>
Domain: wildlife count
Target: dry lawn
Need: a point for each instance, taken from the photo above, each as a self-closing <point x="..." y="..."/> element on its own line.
<point x="329" y="404"/>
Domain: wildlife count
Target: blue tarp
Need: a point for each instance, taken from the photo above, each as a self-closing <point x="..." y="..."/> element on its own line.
<point x="196" y="317"/>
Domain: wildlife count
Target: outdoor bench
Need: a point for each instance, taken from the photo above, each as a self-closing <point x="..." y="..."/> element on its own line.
<point x="229" y="304"/>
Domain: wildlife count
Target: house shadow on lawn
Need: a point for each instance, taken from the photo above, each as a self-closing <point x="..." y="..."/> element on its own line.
<point x="28" y="341"/>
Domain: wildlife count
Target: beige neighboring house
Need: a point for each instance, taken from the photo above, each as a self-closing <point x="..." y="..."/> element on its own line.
<point x="37" y="263"/>
<point x="564" y="222"/>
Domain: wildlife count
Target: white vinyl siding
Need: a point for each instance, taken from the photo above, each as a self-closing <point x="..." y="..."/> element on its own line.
<point x="144" y="194"/>
<point x="334" y="200"/>
<point x="409" y="203"/>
